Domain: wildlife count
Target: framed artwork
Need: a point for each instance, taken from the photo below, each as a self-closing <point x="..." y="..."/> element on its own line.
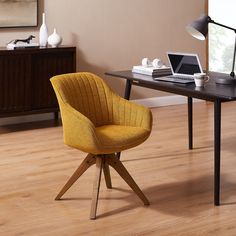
<point x="18" y="13"/>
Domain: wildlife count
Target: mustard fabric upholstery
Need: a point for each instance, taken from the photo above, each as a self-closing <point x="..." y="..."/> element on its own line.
<point x="95" y="119"/>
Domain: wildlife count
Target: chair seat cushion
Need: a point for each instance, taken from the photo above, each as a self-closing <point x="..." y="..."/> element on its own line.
<point x="116" y="138"/>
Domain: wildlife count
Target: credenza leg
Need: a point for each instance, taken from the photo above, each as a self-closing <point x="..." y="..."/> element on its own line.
<point x="56" y="116"/>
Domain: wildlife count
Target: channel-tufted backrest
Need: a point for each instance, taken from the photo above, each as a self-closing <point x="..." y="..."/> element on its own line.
<point x="88" y="94"/>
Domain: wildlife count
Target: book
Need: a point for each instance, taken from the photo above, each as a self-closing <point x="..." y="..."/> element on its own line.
<point x="22" y="45"/>
<point x="152" y="71"/>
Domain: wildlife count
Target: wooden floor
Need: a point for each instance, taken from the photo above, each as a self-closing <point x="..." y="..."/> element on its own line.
<point x="35" y="164"/>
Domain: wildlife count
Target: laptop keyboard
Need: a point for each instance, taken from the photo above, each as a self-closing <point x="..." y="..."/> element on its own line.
<point x="180" y="77"/>
<point x="175" y="79"/>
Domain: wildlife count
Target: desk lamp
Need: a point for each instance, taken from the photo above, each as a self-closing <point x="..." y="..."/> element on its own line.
<point x="199" y="30"/>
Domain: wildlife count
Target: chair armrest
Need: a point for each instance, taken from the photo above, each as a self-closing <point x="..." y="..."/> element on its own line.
<point x="79" y="131"/>
<point x="131" y="114"/>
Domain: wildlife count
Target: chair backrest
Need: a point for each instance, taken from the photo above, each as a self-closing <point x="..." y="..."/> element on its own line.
<point x="88" y="94"/>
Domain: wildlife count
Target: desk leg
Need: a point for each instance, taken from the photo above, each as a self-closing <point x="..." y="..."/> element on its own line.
<point x="217" y="146"/>
<point x="127" y="89"/>
<point x="190" y="123"/>
<point x="126" y="96"/>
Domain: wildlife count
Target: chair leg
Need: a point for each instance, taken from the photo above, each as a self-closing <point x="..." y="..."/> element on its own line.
<point x="106" y="171"/>
<point x="96" y="186"/>
<point x="86" y="163"/>
<point x="113" y="161"/>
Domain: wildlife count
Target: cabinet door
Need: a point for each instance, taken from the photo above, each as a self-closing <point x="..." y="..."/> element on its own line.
<point x="44" y="66"/>
<point x="14" y="83"/>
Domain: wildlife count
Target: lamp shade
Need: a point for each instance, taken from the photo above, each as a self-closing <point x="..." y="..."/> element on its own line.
<point x="199" y="27"/>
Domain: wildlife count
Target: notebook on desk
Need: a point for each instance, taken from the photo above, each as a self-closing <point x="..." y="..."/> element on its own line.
<point x="183" y="66"/>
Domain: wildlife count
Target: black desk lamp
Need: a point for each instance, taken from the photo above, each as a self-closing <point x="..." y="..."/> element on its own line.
<point x="199" y="30"/>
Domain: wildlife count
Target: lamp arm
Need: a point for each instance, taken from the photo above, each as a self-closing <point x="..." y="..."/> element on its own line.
<point x="232" y="74"/>
<point x="216" y="23"/>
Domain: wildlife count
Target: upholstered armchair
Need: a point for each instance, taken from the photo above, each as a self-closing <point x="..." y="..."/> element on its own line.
<point x="99" y="122"/>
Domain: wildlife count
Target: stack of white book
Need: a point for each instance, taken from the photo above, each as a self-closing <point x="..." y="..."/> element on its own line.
<point x="22" y="45"/>
<point x="153" y="71"/>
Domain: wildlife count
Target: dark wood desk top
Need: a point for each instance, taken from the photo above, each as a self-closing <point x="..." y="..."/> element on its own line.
<point x="210" y="92"/>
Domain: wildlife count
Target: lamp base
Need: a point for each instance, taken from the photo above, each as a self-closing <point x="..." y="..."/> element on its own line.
<point x="225" y="79"/>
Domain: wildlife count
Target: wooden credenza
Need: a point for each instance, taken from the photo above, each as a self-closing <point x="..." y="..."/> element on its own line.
<point x="25" y="87"/>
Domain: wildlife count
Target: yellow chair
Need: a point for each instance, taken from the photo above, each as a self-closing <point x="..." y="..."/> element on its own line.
<point x="99" y="122"/>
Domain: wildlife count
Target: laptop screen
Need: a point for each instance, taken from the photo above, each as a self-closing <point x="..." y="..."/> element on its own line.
<point x="185" y="64"/>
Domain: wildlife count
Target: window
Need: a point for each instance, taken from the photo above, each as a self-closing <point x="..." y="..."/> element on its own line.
<point x="221" y="40"/>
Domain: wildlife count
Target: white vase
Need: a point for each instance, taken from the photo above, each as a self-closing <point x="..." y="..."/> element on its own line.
<point x="54" y="39"/>
<point x="43" y="33"/>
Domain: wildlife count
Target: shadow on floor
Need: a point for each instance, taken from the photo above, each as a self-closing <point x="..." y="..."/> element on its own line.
<point x="181" y="198"/>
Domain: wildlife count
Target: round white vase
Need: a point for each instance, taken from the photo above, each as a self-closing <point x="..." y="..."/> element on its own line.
<point x="43" y="33"/>
<point x="54" y="39"/>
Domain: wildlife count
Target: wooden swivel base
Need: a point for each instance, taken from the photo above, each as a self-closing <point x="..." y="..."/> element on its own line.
<point x="102" y="163"/>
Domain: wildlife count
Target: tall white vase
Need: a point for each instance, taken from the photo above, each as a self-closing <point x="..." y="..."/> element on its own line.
<point x="43" y="33"/>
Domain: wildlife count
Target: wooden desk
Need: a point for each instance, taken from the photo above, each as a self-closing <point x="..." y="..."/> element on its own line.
<point x="213" y="92"/>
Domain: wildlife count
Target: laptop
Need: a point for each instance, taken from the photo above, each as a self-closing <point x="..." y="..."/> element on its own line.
<point x="183" y="66"/>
